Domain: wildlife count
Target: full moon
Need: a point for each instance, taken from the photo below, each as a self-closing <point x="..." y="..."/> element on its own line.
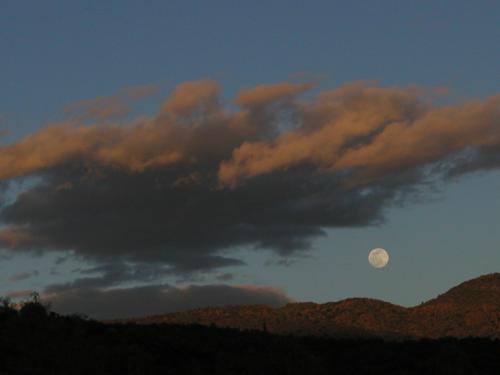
<point x="378" y="257"/>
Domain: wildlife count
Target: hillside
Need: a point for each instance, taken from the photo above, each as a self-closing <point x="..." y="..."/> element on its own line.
<point x="469" y="309"/>
<point x="34" y="340"/>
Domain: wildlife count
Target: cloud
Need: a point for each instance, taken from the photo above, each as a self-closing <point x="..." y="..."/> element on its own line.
<point x="373" y="131"/>
<point x="225" y="276"/>
<point x="263" y="95"/>
<point x="185" y="187"/>
<point x="110" y="275"/>
<point x="109" y="107"/>
<point x="23" y="276"/>
<point x="189" y="97"/>
<point x="158" y="299"/>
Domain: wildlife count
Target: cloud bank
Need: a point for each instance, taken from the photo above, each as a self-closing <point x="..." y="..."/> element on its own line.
<point x="159" y="299"/>
<point x="184" y="187"/>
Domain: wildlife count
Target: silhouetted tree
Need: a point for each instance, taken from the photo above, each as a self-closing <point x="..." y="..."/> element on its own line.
<point x="33" y="309"/>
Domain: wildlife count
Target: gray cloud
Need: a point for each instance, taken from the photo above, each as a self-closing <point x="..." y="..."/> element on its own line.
<point x="111" y="274"/>
<point x="158" y="299"/>
<point x="180" y="190"/>
<point x="125" y="216"/>
<point x="225" y="277"/>
<point x="473" y="160"/>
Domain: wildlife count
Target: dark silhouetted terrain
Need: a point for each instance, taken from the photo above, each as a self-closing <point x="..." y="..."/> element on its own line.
<point x="34" y="340"/>
<point x="470" y="309"/>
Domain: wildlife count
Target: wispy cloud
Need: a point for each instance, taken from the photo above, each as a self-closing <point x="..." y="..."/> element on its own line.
<point x="110" y="107"/>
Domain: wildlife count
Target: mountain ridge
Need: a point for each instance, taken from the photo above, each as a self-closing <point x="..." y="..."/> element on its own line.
<point x="471" y="308"/>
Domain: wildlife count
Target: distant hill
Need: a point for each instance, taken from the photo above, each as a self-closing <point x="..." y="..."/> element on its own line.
<point x="469" y="309"/>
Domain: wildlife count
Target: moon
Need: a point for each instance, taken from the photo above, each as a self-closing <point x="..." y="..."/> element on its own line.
<point x="378" y="257"/>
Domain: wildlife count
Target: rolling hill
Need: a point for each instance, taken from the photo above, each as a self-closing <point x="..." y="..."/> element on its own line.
<point x="469" y="309"/>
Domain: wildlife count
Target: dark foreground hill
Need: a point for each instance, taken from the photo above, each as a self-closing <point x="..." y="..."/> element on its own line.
<point x="470" y="309"/>
<point x="33" y="341"/>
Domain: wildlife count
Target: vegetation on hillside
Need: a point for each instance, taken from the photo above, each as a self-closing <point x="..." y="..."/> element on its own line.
<point x="470" y="309"/>
<point x="34" y="340"/>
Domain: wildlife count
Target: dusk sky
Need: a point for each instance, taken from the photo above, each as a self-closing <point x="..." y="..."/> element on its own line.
<point x="163" y="155"/>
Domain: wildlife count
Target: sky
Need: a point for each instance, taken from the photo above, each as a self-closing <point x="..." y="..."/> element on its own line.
<point x="157" y="156"/>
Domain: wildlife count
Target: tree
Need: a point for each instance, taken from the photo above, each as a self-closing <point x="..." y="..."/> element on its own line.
<point x="33" y="309"/>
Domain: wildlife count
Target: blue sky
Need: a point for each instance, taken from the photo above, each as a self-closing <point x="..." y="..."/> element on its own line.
<point x="55" y="53"/>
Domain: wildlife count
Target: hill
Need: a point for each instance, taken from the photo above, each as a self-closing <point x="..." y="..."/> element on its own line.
<point x="34" y="340"/>
<point x="469" y="309"/>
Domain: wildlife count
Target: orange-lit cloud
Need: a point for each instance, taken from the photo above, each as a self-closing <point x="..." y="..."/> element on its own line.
<point x="192" y="96"/>
<point x="14" y="236"/>
<point x="265" y="94"/>
<point x="105" y="108"/>
<point x="374" y="130"/>
<point x="433" y="135"/>
<point x="146" y="142"/>
<point x="184" y="186"/>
